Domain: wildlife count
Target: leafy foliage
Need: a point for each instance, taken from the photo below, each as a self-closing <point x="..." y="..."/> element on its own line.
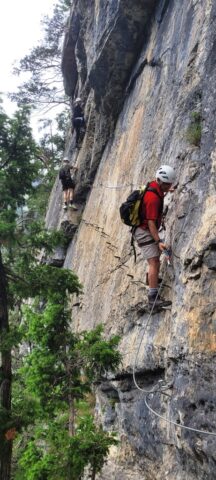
<point x="18" y="171"/>
<point x="21" y="240"/>
<point x="58" y="367"/>
<point x="66" y="457"/>
<point x="53" y="144"/>
<point x="58" y="373"/>
<point x="50" y="152"/>
<point x="194" y="130"/>
<point x="66" y="362"/>
<point x="18" y="167"/>
<point x="100" y="355"/>
<point x="44" y="64"/>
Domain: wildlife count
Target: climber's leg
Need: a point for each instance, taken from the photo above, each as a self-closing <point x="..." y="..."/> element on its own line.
<point x="153" y="296"/>
<point x="71" y="195"/>
<point x="153" y="271"/>
<point x="151" y="253"/>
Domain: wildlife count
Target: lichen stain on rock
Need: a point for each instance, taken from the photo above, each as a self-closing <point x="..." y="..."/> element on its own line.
<point x="127" y="147"/>
<point x="207" y="228"/>
<point x="201" y="329"/>
<point x="164" y="329"/>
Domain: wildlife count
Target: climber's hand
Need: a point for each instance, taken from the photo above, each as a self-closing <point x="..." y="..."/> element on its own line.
<point x="162" y="246"/>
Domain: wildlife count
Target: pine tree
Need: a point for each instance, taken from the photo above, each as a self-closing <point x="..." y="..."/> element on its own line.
<point x="59" y="373"/>
<point x="43" y="391"/>
<point x="45" y="88"/>
<point x="16" y="176"/>
<point x="20" y="241"/>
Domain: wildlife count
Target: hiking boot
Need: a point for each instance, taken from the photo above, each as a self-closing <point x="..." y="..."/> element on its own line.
<point x="65" y="207"/>
<point x="73" y="206"/>
<point x="159" y="302"/>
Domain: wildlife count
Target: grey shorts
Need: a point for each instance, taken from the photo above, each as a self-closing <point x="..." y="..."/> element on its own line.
<point x="148" y="251"/>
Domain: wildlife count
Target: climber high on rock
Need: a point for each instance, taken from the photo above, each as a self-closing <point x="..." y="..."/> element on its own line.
<point x="147" y="233"/>
<point x="68" y="184"/>
<point x="78" y="119"/>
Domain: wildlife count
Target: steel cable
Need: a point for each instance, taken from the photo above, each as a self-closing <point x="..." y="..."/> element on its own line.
<point x="159" y="388"/>
<point x="180" y="425"/>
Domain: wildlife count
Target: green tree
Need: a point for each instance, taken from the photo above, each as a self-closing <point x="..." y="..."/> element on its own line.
<point x="59" y="372"/>
<point x="53" y="141"/>
<point x="43" y="399"/>
<point x="45" y="86"/>
<point x="49" y="153"/>
<point x="20" y="242"/>
<point x="17" y="173"/>
<point x="53" y="455"/>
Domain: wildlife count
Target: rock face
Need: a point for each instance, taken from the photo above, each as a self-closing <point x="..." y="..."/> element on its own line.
<point x="146" y="71"/>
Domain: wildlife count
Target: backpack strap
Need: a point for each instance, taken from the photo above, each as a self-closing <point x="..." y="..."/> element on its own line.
<point x="153" y="190"/>
<point x="132" y="243"/>
<point x="142" y="197"/>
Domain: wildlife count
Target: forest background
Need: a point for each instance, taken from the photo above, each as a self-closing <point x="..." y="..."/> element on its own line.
<point x="48" y="373"/>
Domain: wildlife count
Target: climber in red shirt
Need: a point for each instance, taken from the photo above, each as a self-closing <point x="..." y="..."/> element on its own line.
<point x="147" y="234"/>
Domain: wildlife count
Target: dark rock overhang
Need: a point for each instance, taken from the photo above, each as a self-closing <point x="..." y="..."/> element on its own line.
<point x="116" y="50"/>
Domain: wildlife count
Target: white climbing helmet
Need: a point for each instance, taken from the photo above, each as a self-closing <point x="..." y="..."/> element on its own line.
<point x="77" y="100"/>
<point x="66" y="159"/>
<point x="166" y="174"/>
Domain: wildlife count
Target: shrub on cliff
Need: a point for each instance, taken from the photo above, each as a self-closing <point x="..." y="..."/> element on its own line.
<point x="194" y="130"/>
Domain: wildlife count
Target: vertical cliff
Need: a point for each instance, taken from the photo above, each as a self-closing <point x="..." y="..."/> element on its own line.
<point x="146" y="71"/>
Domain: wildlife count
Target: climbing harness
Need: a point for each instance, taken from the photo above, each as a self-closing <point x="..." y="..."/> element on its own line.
<point x="161" y="386"/>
